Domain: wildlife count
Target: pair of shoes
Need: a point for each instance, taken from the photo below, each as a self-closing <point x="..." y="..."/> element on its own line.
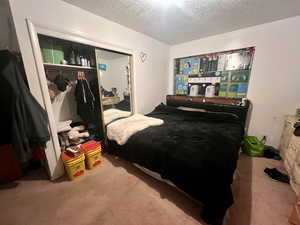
<point x="277" y="175"/>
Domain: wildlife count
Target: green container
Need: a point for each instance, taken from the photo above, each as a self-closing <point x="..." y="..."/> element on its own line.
<point x="52" y="50"/>
<point x="253" y="147"/>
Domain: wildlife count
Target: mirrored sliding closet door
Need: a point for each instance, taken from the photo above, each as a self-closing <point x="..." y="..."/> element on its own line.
<point x="114" y="71"/>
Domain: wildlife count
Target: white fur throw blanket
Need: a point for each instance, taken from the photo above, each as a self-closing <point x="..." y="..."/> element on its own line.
<point x="112" y="114"/>
<point x="121" y="130"/>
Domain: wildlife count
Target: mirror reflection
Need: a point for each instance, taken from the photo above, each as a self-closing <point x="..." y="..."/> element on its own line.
<point x="114" y="72"/>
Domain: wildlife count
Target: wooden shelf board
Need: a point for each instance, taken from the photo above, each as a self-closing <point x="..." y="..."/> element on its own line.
<point x="69" y="66"/>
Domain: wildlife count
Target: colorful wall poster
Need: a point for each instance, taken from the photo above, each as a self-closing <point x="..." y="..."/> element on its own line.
<point x="187" y="69"/>
<point x="181" y="66"/>
<point x="195" y="65"/>
<point x="232" y="90"/>
<point x="181" y="85"/>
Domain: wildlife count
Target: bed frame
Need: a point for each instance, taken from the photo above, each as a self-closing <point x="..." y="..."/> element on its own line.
<point x="226" y="105"/>
<point x="217" y="104"/>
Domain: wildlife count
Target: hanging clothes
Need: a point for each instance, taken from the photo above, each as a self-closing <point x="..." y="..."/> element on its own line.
<point x="23" y="119"/>
<point x="85" y="101"/>
<point x="87" y="107"/>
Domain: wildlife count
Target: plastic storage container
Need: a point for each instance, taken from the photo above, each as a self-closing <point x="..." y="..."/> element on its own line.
<point x="52" y="50"/>
<point x="92" y="152"/>
<point x="74" y="166"/>
<point x="253" y="147"/>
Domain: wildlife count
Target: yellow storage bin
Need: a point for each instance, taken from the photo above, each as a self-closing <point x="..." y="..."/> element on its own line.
<point x="92" y="151"/>
<point x="93" y="159"/>
<point x="74" y="166"/>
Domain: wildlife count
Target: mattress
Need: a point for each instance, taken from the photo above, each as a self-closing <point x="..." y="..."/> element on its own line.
<point x="154" y="175"/>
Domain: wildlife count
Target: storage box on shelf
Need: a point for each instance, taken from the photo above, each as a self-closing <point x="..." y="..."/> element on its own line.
<point x="58" y="52"/>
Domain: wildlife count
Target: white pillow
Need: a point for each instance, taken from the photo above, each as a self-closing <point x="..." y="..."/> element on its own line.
<point x="191" y="109"/>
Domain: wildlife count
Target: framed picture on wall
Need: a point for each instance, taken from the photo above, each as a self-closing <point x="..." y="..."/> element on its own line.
<point x="102" y="67"/>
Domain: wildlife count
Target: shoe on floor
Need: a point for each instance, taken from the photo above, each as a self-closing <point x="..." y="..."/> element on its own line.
<point x="277" y="175"/>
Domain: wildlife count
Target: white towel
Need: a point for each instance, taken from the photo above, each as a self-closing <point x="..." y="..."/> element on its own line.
<point x="121" y="130"/>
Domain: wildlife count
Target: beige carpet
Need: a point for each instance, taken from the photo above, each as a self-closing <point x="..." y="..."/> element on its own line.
<point x="119" y="194"/>
<point x="260" y="200"/>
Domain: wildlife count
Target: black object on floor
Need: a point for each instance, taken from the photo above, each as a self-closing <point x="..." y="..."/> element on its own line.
<point x="271" y="153"/>
<point x="297" y="129"/>
<point x="277" y="175"/>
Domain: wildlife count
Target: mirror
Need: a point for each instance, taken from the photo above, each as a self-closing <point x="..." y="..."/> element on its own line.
<point x="114" y="72"/>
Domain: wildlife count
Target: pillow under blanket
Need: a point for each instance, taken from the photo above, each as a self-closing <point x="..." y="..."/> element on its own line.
<point x="121" y="130"/>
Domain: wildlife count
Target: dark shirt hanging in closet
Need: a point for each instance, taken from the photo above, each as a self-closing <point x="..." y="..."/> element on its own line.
<point x="88" y="106"/>
<point x="24" y="121"/>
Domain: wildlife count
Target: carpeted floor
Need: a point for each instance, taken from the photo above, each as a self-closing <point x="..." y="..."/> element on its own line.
<point x="119" y="194"/>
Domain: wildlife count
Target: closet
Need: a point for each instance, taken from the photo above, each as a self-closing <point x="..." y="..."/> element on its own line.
<point x="70" y="69"/>
<point x="73" y="87"/>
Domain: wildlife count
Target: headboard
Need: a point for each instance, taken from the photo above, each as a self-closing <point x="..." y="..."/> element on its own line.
<point x="213" y="104"/>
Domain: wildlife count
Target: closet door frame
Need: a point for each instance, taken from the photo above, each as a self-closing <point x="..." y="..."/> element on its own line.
<point x="55" y="165"/>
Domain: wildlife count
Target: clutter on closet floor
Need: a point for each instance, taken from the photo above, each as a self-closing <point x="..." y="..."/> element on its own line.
<point x="84" y="125"/>
<point x="78" y="136"/>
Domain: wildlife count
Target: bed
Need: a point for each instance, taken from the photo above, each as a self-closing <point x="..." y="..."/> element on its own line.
<point x="197" y="151"/>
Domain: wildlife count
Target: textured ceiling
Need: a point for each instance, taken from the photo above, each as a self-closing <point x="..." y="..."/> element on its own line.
<point x="176" y="21"/>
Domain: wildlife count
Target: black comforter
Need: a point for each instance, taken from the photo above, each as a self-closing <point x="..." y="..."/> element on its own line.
<point x="197" y="151"/>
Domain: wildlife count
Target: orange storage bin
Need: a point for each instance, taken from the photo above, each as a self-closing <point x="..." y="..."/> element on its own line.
<point x="92" y="152"/>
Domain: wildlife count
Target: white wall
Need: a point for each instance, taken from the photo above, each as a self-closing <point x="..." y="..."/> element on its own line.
<point x="8" y="39"/>
<point x="275" y="79"/>
<point x="55" y="13"/>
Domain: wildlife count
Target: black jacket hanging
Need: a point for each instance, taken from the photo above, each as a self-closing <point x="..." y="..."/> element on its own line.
<point x="85" y="102"/>
<point x="25" y="120"/>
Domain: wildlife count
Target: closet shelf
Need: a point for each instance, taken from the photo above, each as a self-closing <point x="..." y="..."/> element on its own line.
<point x="69" y="66"/>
